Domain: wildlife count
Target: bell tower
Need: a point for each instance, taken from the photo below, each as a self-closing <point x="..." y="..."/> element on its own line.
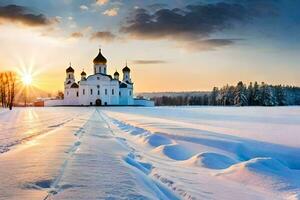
<point x="100" y="64"/>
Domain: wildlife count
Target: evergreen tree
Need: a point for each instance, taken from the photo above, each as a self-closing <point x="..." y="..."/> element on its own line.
<point x="240" y="95"/>
<point x="250" y="94"/>
<point x="256" y="94"/>
<point x="214" y="96"/>
<point x="280" y="95"/>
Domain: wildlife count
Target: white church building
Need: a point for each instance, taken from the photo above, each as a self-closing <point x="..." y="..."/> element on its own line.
<point x="100" y="88"/>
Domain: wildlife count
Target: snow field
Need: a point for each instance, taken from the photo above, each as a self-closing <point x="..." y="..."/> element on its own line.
<point x="185" y="162"/>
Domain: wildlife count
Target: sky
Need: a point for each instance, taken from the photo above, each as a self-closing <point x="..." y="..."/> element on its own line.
<point x="169" y="45"/>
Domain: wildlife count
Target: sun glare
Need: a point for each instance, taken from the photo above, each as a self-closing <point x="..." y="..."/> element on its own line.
<point x="26" y="79"/>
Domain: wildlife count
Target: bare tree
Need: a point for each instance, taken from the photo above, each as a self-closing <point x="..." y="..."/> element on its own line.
<point x="7" y="89"/>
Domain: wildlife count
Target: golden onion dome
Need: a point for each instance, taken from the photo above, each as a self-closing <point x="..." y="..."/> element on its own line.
<point x="100" y="59"/>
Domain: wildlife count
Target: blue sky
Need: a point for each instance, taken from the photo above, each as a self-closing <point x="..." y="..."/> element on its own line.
<point x="194" y="44"/>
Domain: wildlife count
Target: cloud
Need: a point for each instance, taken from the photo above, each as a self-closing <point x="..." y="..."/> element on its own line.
<point x="157" y="6"/>
<point x="196" y="24"/>
<point x="147" y="62"/>
<point x="105" y="36"/>
<point x="111" y="12"/>
<point x="76" y="35"/>
<point x="206" y="44"/>
<point x="23" y="15"/>
<point x="83" y="7"/>
<point x="101" y="2"/>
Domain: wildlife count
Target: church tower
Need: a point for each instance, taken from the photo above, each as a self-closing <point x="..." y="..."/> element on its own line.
<point x="69" y="76"/>
<point x="116" y="75"/>
<point x="126" y="74"/>
<point x="100" y="64"/>
<point x="83" y="76"/>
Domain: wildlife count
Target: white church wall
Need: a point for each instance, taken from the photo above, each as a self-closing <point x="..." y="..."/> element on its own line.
<point x="71" y="96"/>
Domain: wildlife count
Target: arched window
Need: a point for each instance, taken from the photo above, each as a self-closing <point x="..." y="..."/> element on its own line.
<point x="105" y="91"/>
<point x="83" y="91"/>
<point x="77" y="94"/>
<point x="69" y="76"/>
<point x="112" y="91"/>
<point x="98" y="92"/>
<point x="91" y="91"/>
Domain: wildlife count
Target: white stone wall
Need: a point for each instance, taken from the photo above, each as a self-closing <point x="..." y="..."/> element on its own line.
<point x="143" y="102"/>
<point x="55" y="102"/>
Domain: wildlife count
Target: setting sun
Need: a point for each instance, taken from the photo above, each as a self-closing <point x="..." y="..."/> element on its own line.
<point x="26" y="79"/>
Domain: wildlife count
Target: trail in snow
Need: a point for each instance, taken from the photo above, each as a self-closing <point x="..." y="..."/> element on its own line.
<point x="80" y="159"/>
<point x="97" y="164"/>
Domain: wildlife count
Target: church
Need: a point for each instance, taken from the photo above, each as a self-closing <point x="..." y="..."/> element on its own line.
<point x="100" y="88"/>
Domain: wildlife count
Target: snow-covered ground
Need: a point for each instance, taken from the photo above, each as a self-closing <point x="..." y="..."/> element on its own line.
<point x="150" y="153"/>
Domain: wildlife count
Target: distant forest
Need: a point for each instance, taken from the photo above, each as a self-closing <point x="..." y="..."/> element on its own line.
<point x="239" y="95"/>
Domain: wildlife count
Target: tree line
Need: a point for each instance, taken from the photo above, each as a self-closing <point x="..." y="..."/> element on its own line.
<point x="238" y="95"/>
<point x="7" y="89"/>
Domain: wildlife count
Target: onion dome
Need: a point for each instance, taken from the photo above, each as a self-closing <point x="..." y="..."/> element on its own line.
<point x="83" y="73"/>
<point x="100" y="59"/>
<point x="126" y="69"/>
<point x="116" y="73"/>
<point x="69" y="70"/>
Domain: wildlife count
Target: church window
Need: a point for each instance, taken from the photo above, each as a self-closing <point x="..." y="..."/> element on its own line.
<point x="130" y="93"/>
<point x="105" y="91"/>
<point x="98" y="78"/>
<point x="98" y="86"/>
<point x="69" y="76"/>
<point x="77" y="94"/>
<point x="91" y="91"/>
<point x="99" y="69"/>
<point x="112" y="91"/>
<point x="105" y="103"/>
<point x="67" y="93"/>
<point x="91" y="103"/>
<point x="119" y="93"/>
<point x="98" y="92"/>
<point x="83" y="91"/>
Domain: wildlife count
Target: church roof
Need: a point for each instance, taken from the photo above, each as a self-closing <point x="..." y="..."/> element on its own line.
<point x="109" y="76"/>
<point x="69" y="69"/>
<point x="100" y="59"/>
<point x="74" y="85"/>
<point x="126" y="69"/>
<point x="123" y="85"/>
<point x="83" y="73"/>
